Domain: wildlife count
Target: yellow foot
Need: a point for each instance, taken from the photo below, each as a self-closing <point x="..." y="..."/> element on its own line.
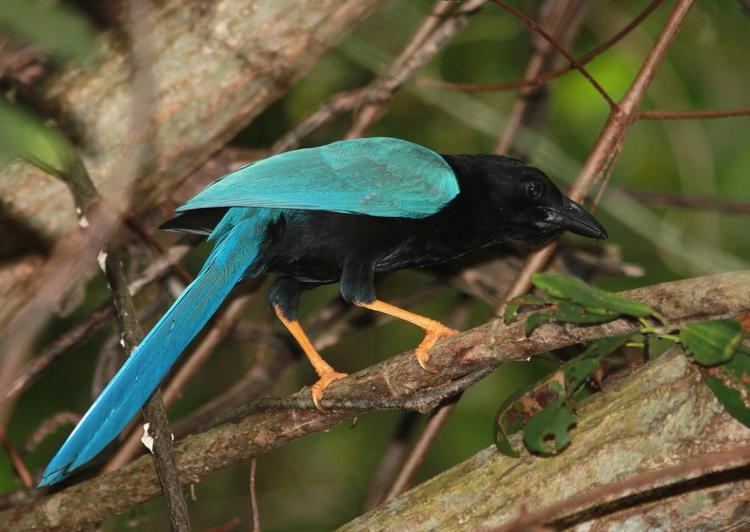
<point x="317" y="389"/>
<point x="434" y="333"/>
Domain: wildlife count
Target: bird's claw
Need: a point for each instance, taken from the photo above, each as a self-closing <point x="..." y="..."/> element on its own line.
<point x="423" y="349"/>
<point x="317" y="389"/>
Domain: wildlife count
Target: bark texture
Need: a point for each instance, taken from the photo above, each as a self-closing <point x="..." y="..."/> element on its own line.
<point x="660" y="416"/>
<point x="216" y="66"/>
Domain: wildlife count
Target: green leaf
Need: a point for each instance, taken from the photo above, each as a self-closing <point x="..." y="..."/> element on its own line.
<point x="738" y="369"/>
<point x="536" y="319"/>
<point x="712" y="342"/>
<point x="657" y="346"/>
<point x="559" y="386"/>
<point x="573" y="313"/>
<point x="580" y="368"/>
<point x="730" y="383"/>
<point x="731" y="399"/>
<point x="548" y="431"/>
<point x="510" y="418"/>
<point x="575" y="290"/>
<point x="518" y="407"/>
<point x="22" y="135"/>
<point x="511" y="414"/>
<point x="52" y="26"/>
<point x="512" y="307"/>
<point x="502" y="442"/>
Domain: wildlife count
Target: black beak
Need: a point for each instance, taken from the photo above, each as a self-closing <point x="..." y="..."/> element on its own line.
<point x="576" y="219"/>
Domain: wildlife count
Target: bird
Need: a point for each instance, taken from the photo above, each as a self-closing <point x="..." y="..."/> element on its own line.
<point x="345" y="213"/>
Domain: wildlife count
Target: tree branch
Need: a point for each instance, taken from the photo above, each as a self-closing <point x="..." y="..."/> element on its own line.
<point x="657" y="427"/>
<point x="156" y="423"/>
<point x="699" y="466"/>
<point x="600" y="161"/>
<point x="396" y="382"/>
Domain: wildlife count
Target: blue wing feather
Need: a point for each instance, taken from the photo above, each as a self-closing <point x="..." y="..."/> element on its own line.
<point x="375" y="176"/>
<point x="239" y="241"/>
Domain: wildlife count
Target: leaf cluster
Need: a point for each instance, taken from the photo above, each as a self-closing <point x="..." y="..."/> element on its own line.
<point x="545" y="411"/>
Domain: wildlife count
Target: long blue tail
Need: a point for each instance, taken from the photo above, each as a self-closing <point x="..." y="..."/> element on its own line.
<point x="238" y="246"/>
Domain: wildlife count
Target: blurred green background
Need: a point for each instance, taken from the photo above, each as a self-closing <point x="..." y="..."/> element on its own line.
<point x="320" y="481"/>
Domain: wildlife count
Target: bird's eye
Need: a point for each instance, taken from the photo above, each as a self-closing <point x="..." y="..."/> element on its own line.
<point x="534" y="190"/>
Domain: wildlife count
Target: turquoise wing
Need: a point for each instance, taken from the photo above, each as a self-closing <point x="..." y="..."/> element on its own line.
<point x="375" y="176"/>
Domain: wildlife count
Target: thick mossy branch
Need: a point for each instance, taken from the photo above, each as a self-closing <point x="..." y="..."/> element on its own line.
<point x="393" y="382"/>
<point x="661" y="415"/>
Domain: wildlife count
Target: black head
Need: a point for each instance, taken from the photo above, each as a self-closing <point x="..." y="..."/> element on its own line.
<point x="523" y="200"/>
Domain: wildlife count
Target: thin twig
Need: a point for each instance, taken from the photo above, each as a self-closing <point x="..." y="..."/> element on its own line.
<point x="693" y="115"/>
<point x="156" y="423"/>
<point x="697" y="467"/>
<point x="330" y="109"/>
<point x="15" y="459"/>
<point x="48" y="426"/>
<point x="436" y="30"/>
<point x="157" y="427"/>
<point x="391" y="461"/>
<point x="29" y="374"/>
<point x="671" y="199"/>
<point x="440" y="11"/>
<point x="254" y="513"/>
<point x="429" y="38"/>
<point x="564" y="19"/>
<point x="418" y="451"/>
<point x="153" y="412"/>
<point x="600" y="170"/>
<point x="573" y="61"/>
<point x="549" y="76"/>
<point x="154" y="244"/>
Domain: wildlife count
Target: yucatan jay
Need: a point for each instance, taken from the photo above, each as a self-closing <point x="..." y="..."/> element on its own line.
<point x="344" y="212"/>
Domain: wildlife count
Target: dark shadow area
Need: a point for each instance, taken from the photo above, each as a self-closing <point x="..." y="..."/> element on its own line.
<point x="657" y="494"/>
<point x="19" y="239"/>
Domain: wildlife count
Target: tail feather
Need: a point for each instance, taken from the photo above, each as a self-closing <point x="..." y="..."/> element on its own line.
<point x="151" y="360"/>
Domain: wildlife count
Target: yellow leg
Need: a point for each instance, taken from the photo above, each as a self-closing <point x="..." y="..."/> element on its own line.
<point x="434" y="329"/>
<point x="324" y="370"/>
